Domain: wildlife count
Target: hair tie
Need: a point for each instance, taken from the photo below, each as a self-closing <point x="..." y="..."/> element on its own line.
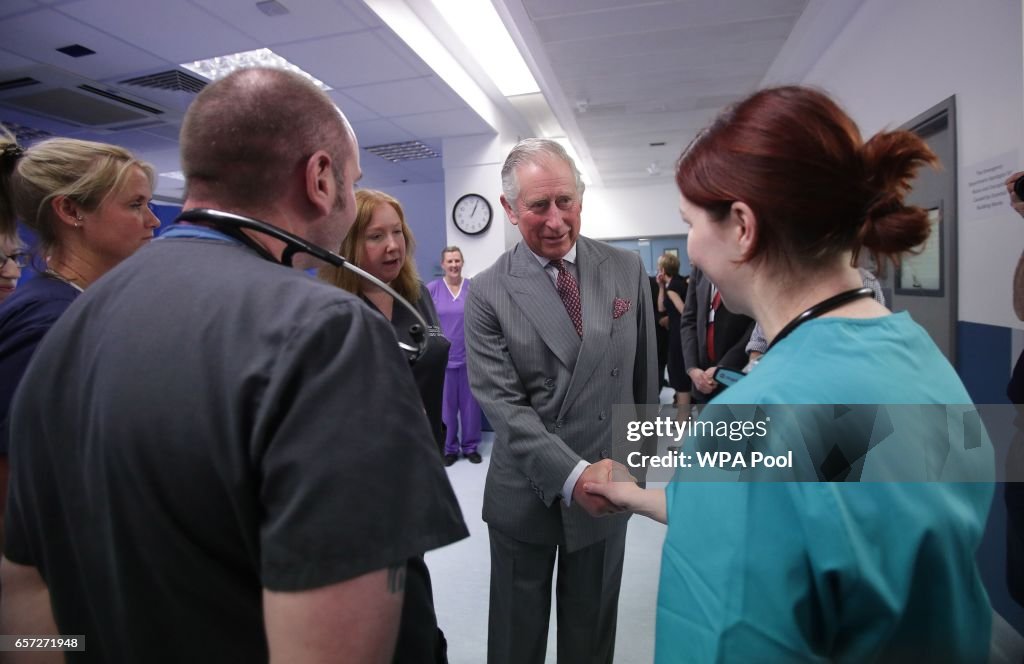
<point x="12" y="151"/>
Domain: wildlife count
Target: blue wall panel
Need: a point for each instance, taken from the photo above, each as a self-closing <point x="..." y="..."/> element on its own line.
<point x="983" y="360"/>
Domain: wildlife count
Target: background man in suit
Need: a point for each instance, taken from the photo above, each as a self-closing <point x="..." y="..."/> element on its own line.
<point x="558" y="330"/>
<point x="723" y="346"/>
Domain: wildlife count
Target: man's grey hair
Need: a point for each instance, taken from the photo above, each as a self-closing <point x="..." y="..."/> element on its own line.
<point x="531" y="151"/>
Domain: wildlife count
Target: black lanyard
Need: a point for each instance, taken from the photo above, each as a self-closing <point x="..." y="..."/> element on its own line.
<point x="231" y="224"/>
<point x="819" y="309"/>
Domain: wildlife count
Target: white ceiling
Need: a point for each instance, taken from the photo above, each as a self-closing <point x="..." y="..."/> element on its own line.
<point x="620" y="74"/>
<point x="636" y="72"/>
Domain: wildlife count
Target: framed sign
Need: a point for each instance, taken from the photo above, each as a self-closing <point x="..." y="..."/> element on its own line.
<point x="673" y="251"/>
<point x="920" y="271"/>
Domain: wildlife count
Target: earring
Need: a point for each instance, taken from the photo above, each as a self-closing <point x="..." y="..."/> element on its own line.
<point x="78" y="220"/>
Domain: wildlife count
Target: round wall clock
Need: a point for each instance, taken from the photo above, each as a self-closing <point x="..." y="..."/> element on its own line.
<point x="472" y="214"/>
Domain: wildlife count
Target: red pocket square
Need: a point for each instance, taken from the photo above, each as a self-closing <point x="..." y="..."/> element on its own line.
<point x="620" y="307"/>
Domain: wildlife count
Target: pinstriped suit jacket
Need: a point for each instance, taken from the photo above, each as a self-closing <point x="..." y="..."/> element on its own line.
<point x="548" y="394"/>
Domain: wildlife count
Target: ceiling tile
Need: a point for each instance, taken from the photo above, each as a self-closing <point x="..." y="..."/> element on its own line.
<point x="9" y="60"/>
<point x="402" y="50"/>
<point x="365" y="15"/>
<point x="672" y="41"/>
<point x="307" y="19"/>
<point x="459" y="122"/>
<point x="378" y="132"/>
<point x="159" y="26"/>
<point x="340" y="61"/>
<point x="715" y="56"/>
<point x="39" y="34"/>
<point x="12" y="7"/>
<point x="353" y="110"/>
<point x="541" y="9"/>
<point x="651" y="18"/>
<point x="417" y="95"/>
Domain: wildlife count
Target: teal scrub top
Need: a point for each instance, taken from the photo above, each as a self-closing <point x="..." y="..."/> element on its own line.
<point x="832" y="572"/>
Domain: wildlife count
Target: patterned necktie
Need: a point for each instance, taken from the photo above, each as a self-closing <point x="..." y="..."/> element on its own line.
<point x="569" y="291"/>
<point x="715" y="302"/>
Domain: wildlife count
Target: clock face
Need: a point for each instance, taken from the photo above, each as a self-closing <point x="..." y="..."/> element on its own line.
<point x="472" y="214"/>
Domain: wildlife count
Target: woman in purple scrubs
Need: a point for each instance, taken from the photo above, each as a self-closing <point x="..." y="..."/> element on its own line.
<point x="449" y="295"/>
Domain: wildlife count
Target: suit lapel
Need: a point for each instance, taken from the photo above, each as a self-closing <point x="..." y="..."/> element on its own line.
<point x="534" y="293"/>
<point x="596" y="293"/>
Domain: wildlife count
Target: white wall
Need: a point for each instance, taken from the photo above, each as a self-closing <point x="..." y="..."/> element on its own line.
<point x="472" y="165"/>
<point x="628" y="212"/>
<point x="895" y="59"/>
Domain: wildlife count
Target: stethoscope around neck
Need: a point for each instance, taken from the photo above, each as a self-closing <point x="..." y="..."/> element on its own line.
<point x="231" y="224"/>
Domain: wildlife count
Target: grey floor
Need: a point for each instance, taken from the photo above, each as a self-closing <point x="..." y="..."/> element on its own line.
<point x="461" y="577"/>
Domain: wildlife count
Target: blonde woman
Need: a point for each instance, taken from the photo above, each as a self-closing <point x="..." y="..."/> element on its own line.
<point x="88" y="203"/>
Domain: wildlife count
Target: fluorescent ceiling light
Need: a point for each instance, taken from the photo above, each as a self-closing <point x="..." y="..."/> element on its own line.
<point x="173" y="175"/>
<point x="214" y="68"/>
<point x="483" y="33"/>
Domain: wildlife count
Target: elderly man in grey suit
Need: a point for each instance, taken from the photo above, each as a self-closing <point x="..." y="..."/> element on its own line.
<point x="558" y="330"/>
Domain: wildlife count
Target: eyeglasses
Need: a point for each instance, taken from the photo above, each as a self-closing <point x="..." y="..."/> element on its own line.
<point x="20" y="259"/>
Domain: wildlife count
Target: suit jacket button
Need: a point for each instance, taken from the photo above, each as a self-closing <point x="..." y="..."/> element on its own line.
<point x="558" y="424"/>
<point x="605" y="454"/>
<point x="548" y="382"/>
<point x="603" y="415"/>
<point x="615" y="371"/>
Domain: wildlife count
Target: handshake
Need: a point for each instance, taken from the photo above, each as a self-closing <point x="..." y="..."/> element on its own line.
<point x="606" y="487"/>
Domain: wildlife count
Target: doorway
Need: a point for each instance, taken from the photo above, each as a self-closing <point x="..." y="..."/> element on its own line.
<point x="925" y="284"/>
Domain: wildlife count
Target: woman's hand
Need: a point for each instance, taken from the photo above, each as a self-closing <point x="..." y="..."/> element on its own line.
<point x="622" y="491"/>
<point x="702" y="381"/>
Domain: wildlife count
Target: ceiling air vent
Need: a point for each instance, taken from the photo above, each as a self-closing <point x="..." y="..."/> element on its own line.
<point x="405" y="151"/>
<point x="15" y="83"/>
<point x="64" y="97"/>
<point x="173" y="80"/>
<point x="118" y="98"/>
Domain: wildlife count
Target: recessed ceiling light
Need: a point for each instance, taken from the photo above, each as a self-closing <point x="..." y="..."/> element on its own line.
<point x="221" y="66"/>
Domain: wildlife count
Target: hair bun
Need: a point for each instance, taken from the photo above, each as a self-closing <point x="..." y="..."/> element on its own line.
<point x="12" y="152"/>
<point x="890" y="160"/>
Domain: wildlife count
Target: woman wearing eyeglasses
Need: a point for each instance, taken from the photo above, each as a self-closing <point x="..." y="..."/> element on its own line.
<point x="12" y="259"/>
<point x="88" y="205"/>
<point x="780" y="193"/>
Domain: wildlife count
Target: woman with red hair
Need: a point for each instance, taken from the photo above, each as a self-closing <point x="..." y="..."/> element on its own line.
<point x="781" y="194"/>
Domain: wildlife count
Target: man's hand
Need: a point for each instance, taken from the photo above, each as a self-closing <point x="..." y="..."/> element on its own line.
<point x="596" y="473"/>
<point x="702" y="379"/>
<point x="1015" y="200"/>
<point x="624" y="493"/>
<point x="619" y="489"/>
